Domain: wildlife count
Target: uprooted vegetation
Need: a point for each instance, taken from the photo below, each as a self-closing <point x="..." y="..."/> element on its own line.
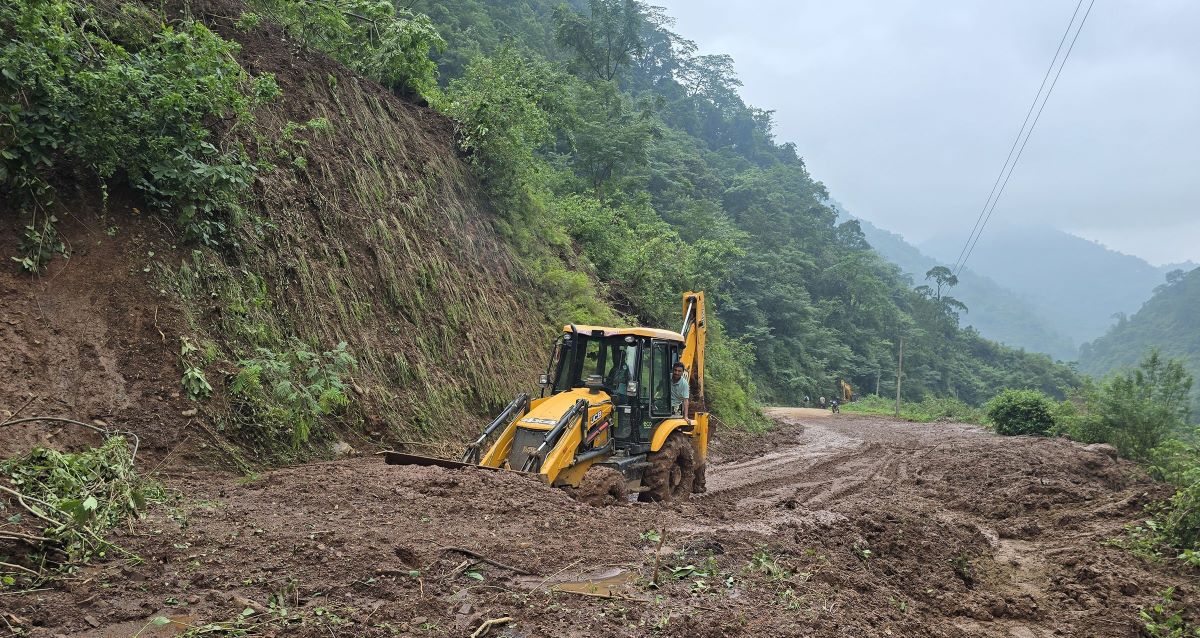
<point x="57" y="509"/>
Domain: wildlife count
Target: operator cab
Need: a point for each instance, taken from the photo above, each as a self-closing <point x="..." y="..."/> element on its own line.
<point x="631" y="365"/>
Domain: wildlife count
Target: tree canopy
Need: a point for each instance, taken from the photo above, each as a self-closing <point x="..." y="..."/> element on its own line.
<point x="663" y="178"/>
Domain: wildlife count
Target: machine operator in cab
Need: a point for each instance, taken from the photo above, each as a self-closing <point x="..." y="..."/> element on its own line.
<point x="679" y="390"/>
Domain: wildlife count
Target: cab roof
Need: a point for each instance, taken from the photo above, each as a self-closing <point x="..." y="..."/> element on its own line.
<point x="653" y="333"/>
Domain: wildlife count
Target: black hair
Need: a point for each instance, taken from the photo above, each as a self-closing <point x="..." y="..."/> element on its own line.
<point x="679" y="364"/>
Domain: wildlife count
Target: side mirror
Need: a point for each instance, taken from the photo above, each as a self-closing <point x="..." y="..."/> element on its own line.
<point x="544" y="380"/>
<point x="631" y="388"/>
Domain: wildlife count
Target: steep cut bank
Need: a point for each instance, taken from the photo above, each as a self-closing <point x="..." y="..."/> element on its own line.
<point x="364" y="228"/>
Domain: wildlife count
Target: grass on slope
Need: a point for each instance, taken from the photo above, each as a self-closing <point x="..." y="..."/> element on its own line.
<point x="928" y="410"/>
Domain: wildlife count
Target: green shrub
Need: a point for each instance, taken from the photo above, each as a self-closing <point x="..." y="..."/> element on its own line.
<point x="1173" y="529"/>
<point x="122" y="93"/>
<point x="1136" y="410"/>
<point x="1165" y="619"/>
<point x="383" y="42"/>
<point x="39" y="245"/>
<point x="1016" y="412"/>
<point x="502" y="106"/>
<point x="287" y="393"/>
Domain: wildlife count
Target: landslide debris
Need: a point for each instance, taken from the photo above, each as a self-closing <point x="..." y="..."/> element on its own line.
<point x="862" y="526"/>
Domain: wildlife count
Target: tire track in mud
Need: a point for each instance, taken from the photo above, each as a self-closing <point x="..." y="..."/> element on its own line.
<point x="860" y="468"/>
<point x="834" y="459"/>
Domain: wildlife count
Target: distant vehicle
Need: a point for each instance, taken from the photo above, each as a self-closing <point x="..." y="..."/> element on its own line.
<point x="833" y="406"/>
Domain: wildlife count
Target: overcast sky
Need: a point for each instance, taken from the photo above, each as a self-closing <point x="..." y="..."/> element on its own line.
<point x="906" y="109"/>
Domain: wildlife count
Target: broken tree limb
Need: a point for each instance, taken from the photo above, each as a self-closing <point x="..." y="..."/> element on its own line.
<point x="4" y="534"/>
<point x="485" y="559"/>
<point x="19" y="569"/>
<point x="489" y="623"/>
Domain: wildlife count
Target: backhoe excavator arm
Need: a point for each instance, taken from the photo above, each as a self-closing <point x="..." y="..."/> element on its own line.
<point x="694" y="331"/>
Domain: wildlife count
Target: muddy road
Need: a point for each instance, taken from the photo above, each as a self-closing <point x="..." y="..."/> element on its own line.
<point x="829" y="525"/>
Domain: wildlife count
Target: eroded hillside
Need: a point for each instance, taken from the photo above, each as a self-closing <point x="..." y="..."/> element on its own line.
<point x="363" y="227"/>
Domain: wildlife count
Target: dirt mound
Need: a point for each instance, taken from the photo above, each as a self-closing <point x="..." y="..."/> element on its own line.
<point x="864" y="527"/>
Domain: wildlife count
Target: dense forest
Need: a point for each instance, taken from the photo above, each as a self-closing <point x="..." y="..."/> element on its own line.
<point x="1167" y="322"/>
<point x="599" y="120"/>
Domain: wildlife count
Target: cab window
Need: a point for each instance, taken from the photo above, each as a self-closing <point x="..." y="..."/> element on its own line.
<point x="661" y="360"/>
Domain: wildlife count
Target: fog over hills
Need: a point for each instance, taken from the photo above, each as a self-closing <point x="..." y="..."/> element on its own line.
<point x="995" y="311"/>
<point x="1078" y="286"/>
<point x="1037" y="288"/>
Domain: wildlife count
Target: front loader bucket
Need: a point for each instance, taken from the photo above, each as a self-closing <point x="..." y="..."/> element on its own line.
<point x="403" y="458"/>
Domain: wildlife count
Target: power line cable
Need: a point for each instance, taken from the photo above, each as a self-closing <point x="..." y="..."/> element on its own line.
<point x="1017" y="139"/>
<point x="1020" y="151"/>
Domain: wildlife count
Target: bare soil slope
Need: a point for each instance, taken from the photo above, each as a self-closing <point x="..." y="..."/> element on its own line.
<point x="850" y="526"/>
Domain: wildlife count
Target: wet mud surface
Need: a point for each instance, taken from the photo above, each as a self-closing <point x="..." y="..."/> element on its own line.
<point x="839" y="525"/>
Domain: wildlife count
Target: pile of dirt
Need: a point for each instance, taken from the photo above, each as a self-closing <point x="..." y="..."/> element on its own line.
<point x="863" y="527"/>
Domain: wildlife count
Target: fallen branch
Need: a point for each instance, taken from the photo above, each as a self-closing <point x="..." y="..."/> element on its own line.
<point x="462" y="567"/>
<point x="19" y="569"/>
<point x="18" y="536"/>
<point x="487" y="560"/>
<point x="488" y="624"/>
<point x="21" y="499"/>
<point x="18" y="410"/>
<point x="662" y="537"/>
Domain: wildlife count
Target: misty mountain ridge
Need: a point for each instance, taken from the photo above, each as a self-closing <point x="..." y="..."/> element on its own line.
<point x="997" y="312"/>
<point x="1167" y="322"/>
<point x="1078" y="285"/>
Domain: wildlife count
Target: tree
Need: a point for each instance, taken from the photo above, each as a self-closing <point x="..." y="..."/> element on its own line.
<point x="1173" y="277"/>
<point x="605" y="40"/>
<point x="611" y="136"/>
<point x="507" y="108"/>
<point x="711" y="77"/>
<point x="944" y="279"/>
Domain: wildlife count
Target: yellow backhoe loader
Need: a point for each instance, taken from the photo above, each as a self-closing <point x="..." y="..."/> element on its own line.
<point x="604" y="425"/>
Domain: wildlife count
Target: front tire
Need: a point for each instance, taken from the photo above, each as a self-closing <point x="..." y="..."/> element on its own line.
<point x="601" y="486"/>
<point x="671" y="473"/>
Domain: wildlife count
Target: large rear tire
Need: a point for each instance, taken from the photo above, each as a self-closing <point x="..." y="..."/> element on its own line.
<point x="602" y="486"/>
<point x="671" y="472"/>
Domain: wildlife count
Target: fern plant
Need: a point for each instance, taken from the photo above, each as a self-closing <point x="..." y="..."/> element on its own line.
<point x="292" y="390"/>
